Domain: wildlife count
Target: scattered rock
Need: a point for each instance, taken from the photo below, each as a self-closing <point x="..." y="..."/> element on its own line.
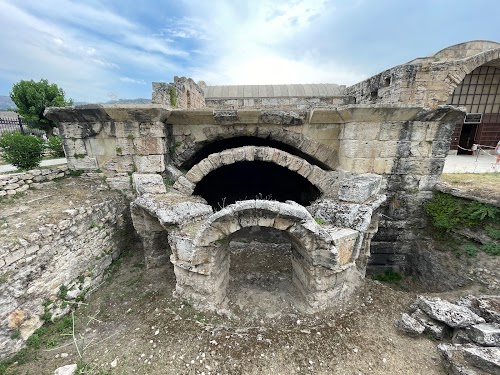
<point x="448" y="313"/>
<point x="487" y="334"/>
<point x="409" y="325"/>
<point x="66" y="370"/>
<point x="487" y="359"/>
<point x="434" y="328"/>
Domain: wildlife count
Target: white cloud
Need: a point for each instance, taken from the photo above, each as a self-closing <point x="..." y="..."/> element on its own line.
<point x="255" y="44"/>
<point x="131" y="80"/>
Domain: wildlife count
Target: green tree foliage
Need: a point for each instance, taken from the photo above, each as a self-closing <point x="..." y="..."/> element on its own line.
<point x="22" y="151"/>
<point x="31" y="99"/>
<point x="55" y="145"/>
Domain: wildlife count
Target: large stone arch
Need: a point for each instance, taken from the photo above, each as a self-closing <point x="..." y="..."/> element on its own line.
<point x="323" y="180"/>
<point x="467" y="65"/>
<point x="189" y="146"/>
<point x="323" y="258"/>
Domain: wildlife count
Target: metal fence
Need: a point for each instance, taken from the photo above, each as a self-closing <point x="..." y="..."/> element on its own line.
<point x="18" y="125"/>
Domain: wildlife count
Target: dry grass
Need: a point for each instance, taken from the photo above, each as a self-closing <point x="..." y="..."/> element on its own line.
<point x="481" y="185"/>
<point x="480" y="181"/>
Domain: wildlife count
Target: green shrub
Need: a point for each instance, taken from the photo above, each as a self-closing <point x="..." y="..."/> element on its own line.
<point x="491" y="248"/>
<point x="22" y="151"/>
<point x="449" y="212"/>
<point x="493" y="233"/>
<point x="470" y="249"/>
<point x="388" y="276"/>
<point x="55" y="145"/>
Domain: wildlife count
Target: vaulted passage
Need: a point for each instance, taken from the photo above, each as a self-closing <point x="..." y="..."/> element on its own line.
<point x="225" y="144"/>
<point x="260" y="272"/>
<point x="255" y="180"/>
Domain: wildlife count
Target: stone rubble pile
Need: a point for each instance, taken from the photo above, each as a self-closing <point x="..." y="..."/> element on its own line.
<point x="469" y="328"/>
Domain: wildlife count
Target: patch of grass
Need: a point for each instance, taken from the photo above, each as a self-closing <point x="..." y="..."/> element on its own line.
<point x="491" y="248"/>
<point x="448" y="212"/>
<point x="74" y="172"/>
<point x="320" y="221"/>
<point x="63" y="292"/>
<point x="470" y="250"/>
<point x="493" y="233"/>
<point x="388" y="276"/>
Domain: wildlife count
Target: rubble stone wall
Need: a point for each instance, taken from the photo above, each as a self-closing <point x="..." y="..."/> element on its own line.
<point x="61" y="261"/>
<point x="13" y="183"/>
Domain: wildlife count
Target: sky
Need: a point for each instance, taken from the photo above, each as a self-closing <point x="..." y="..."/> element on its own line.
<point x="101" y="50"/>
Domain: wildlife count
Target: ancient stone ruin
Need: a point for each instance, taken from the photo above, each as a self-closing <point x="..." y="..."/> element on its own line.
<point x="341" y="172"/>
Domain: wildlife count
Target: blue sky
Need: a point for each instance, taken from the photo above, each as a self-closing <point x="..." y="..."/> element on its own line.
<point x="98" y="50"/>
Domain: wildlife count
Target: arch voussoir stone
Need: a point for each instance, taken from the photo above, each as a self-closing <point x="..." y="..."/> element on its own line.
<point x="312" y="173"/>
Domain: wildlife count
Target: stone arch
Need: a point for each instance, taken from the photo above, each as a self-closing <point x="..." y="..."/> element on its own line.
<point x="467" y="65"/>
<point x="321" y="259"/>
<point x="325" y="155"/>
<point x="316" y="176"/>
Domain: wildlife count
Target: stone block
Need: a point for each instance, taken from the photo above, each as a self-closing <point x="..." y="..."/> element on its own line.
<point x="452" y="315"/>
<point x="410" y="325"/>
<point x="148" y="184"/>
<point x="184" y="186"/>
<point x="149" y="163"/>
<point x="486" y="334"/>
<point x="487" y="359"/>
<point x="344" y="240"/>
<point x="85" y="163"/>
<point x="359" y="189"/>
<point x="149" y="146"/>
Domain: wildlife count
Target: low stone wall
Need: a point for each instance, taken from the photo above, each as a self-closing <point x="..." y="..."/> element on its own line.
<point x="48" y="269"/>
<point x="13" y="183"/>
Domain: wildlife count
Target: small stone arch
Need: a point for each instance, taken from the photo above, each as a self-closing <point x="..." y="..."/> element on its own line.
<point x="201" y="262"/>
<point x="304" y="144"/>
<point x="318" y="177"/>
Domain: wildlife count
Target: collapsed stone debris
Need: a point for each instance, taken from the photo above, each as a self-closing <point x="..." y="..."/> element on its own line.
<point x="469" y="329"/>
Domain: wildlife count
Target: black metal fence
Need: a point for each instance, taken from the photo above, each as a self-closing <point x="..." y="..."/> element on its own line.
<point x="18" y="125"/>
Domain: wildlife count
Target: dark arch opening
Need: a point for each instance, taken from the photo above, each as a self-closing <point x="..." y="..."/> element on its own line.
<point x="261" y="273"/>
<point x="225" y="144"/>
<point x="255" y="179"/>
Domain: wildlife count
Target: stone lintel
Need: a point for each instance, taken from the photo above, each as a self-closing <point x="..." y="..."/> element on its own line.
<point x="107" y="113"/>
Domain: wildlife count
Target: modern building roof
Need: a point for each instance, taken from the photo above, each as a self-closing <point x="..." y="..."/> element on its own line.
<point x="273" y="91"/>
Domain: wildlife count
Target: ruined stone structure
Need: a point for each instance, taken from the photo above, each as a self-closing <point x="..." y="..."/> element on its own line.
<point x="319" y="170"/>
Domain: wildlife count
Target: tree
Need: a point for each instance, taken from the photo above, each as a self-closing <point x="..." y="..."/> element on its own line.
<point x="31" y="99"/>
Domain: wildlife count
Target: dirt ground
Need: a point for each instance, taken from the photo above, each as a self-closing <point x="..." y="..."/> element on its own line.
<point x="134" y="325"/>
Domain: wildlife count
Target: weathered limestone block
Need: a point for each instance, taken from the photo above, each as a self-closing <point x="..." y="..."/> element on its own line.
<point x="487" y="359"/>
<point x="359" y="189"/>
<point x="119" y="182"/>
<point x="453" y="360"/>
<point x="346" y="215"/>
<point x="486" y="334"/>
<point x="184" y="186"/>
<point x="82" y="163"/>
<point x="149" y="163"/>
<point x="281" y="118"/>
<point x="149" y="145"/>
<point x="226" y="117"/>
<point x="410" y="325"/>
<point x="172" y="173"/>
<point x="489" y="307"/>
<point x="185" y="251"/>
<point x="344" y="240"/>
<point x="436" y="329"/>
<point x="447" y="312"/>
<point x="148" y="184"/>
